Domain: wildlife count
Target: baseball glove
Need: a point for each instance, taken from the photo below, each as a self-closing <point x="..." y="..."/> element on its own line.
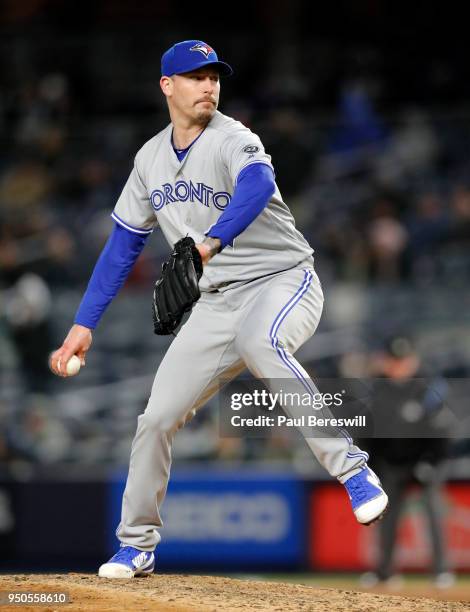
<point x="177" y="289"/>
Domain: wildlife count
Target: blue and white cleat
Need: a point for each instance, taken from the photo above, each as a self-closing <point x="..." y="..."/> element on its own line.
<point x="369" y="501"/>
<point x="127" y="563"/>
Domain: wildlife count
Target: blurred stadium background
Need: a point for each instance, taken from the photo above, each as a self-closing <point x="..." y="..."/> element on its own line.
<point x="365" y="109"/>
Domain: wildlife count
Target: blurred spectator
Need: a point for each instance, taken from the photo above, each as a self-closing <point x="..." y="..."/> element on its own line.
<point x="387" y="239"/>
<point x="44" y="114"/>
<point x="408" y="403"/>
<point x="27" y="310"/>
<point x="37" y="434"/>
<point x="428" y="227"/>
<point x="459" y="231"/>
<point x="411" y="153"/>
<point x="359" y="127"/>
<point x="357" y="137"/>
<point x="34" y="250"/>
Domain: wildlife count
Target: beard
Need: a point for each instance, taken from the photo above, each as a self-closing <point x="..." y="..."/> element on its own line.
<point x="204" y="115"/>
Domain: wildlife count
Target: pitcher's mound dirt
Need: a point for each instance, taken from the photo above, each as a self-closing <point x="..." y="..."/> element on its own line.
<point x="181" y="593"/>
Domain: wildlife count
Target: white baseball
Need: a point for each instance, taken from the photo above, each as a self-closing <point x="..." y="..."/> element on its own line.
<point x="73" y="365"/>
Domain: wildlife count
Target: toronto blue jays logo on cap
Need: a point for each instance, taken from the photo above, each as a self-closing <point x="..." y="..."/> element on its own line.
<point x="202" y="48"/>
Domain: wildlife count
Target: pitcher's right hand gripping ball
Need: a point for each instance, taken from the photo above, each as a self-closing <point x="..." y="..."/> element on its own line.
<point x="178" y="288"/>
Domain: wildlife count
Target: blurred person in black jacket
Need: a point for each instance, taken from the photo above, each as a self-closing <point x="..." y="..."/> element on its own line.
<point x="409" y="405"/>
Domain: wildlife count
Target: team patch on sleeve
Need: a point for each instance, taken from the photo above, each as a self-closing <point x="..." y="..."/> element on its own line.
<point x="250" y="149"/>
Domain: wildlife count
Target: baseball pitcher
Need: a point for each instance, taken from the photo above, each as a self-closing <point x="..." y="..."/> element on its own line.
<point x="242" y="268"/>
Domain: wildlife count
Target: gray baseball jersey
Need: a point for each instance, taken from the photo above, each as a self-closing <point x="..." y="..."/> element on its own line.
<point x="188" y="197"/>
<point x="258" y="324"/>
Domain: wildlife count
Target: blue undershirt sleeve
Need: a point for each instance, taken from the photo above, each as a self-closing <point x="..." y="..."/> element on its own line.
<point x="255" y="186"/>
<point x="111" y="270"/>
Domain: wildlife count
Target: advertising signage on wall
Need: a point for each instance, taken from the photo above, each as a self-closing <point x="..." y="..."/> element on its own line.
<point x="229" y="520"/>
<point x="338" y="542"/>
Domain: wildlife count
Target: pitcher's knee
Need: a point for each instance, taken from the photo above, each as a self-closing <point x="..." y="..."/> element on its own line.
<point x="159" y="422"/>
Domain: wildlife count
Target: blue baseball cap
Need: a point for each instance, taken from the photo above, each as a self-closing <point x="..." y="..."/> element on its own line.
<point x="190" y="55"/>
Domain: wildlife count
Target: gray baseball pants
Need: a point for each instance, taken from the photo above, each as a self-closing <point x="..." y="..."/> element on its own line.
<point x="258" y="326"/>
